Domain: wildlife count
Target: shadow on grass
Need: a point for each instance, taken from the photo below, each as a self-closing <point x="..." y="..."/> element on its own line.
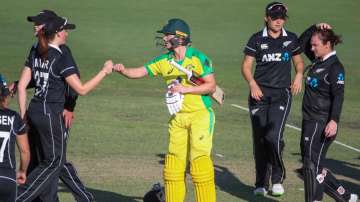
<point x="226" y="181"/>
<point x="105" y="196"/>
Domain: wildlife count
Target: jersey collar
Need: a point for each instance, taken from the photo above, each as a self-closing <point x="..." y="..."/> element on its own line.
<point x="328" y="55"/>
<point x="188" y="53"/>
<point x="56" y="47"/>
<point x="265" y="32"/>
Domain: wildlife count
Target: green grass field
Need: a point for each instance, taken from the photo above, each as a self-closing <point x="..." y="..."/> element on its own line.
<point x="119" y="137"/>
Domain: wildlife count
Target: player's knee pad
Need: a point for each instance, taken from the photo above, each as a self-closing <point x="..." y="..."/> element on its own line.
<point x="309" y="179"/>
<point x="174" y="177"/>
<point x="202" y="173"/>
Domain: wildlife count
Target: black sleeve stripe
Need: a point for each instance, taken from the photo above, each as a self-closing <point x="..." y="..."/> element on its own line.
<point x="250" y="48"/>
<point x="68" y="68"/>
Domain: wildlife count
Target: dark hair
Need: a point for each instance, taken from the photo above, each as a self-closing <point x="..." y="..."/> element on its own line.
<point x="43" y="41"/>
<point x="326" y="35"/>
<point x="43" y="46"/>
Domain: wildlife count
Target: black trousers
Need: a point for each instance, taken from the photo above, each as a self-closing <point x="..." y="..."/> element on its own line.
<point x="68" y="175"/>
<point x="47" y="123"/>
<point x="7" y="185"/>
<point x="268" y="118"/>
<point x="314" y="146"/>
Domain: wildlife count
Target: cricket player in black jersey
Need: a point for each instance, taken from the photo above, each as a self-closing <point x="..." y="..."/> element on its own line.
<point x="51" y="69"/>
<point x="68" y="174"/>
<point x="273" y="49"/>
<point x="12" y="129"/>
<point x="322" y="104"/>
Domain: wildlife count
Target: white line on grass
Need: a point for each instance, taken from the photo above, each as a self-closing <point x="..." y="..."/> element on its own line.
<point x="299" y="129"/>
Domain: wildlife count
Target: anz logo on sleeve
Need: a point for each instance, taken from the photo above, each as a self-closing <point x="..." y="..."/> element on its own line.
<point x="276" y="57"/>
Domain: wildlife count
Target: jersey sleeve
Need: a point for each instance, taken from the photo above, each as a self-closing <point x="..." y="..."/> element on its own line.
<point x="19" y="127"/>
<point x="207" y="66"/>
<point x="29" y="57"/>
<point x="296" y="48"/>
<point x="337" y="87"/>
<point x="251" y="48"/>
<point x="153" y="67"/>
<point x="304" y="41"/>
<point x="67" y="64"/>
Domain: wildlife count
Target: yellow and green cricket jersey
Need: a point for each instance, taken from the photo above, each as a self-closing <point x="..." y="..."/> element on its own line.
<point x="194" y="61"/>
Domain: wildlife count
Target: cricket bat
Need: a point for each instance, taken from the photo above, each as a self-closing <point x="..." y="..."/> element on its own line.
<point x="218" y="95"/>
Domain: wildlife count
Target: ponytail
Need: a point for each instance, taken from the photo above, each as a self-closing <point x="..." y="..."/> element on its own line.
<point x="43" y="46"/>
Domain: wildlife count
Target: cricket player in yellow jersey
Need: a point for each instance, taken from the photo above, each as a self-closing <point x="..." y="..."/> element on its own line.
<point x="191" y="125"/>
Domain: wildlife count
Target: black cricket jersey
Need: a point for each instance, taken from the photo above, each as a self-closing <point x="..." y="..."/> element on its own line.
<point x="273" y="57"/>
<point x="324" y="90"/>
<point x="10" y="125"/>
<point x="49" y="74"/>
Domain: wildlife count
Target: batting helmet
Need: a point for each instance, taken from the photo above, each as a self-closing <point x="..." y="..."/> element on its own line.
<point x="179" y="28"/>
<point x="156" y="194"/>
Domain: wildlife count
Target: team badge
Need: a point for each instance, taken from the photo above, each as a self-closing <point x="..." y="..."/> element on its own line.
<point x="264" y="46"/>
<point x="320" y="178"/>
<point x="319" y="70"/>
<point x="341" y="79"/>
<point x="254" y="111"/>
<point x="341" y="190"/>
<point x="286" y="43"/>
<point x="286" y="57"/>
<point x="313" y="82"/>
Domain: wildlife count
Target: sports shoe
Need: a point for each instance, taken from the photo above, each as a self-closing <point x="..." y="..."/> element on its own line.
<point x="260" y="191"/>
<point x="353" y="198"/>
<point x="277" y="190"/>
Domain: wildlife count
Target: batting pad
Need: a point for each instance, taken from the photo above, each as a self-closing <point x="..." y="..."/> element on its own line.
<point x="174" y="177"/>
<point x="202" y="172"/>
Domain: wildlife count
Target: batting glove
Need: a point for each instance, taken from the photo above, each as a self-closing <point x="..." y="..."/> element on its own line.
<point x="173" y="101"/>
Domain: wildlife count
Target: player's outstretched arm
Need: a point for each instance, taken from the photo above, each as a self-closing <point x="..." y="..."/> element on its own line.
<point x="23" y="145"/>
<point x="131" y="73"/>
<point x="83" y="89"/>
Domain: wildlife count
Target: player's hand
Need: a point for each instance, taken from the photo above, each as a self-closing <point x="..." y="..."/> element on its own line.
<point x="255" y="91"/>
<point x="323" y="26"/>
<point x="37" y="29"/>
<point x="20" y="177"/>
<point x="108" y="67"/>
<point x="68" y="118"/>
<point x="13" y="89"/>
<point x="178" y="88"/>
<point x="296" y="84"/>
<point x="331" y="129"/>
<point x="119" y="68"/>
